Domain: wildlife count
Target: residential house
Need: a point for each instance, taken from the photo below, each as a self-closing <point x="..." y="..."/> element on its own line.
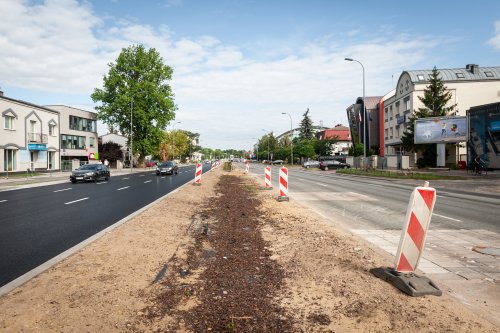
<point x="78" y="136"/>
<point x="29" y="136"/>
<point x="341" y="134"/>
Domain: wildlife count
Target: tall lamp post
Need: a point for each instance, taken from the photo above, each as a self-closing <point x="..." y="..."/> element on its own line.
<point x="291" y="134"/>
<point x="364" y="109"/>
<point x="173" y="126"/>
<point x="267" y="145"/>
<point x="131" y="137"/>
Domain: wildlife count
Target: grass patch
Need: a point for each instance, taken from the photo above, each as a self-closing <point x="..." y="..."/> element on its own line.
<point x="397" y="174"/>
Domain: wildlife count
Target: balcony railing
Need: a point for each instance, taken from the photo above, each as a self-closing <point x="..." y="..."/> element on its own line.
<point x="37" y="138"/>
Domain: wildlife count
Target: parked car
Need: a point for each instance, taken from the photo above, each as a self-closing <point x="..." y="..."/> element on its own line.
<point x="278" y="162"/>
<point x="90" y="172"/>
<point x="311" y="164"/>
<point x="167" y="168"/>
<point x="150" y="164"/>
<point x="327" y="165"/>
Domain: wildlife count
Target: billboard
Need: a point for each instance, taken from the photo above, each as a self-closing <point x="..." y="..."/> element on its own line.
<point x="441" y="130"/>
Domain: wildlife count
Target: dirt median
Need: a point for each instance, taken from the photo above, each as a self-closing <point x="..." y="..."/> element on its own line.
<point x="226" y="257"/>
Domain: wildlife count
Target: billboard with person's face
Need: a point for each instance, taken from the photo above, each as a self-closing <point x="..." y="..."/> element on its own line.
<point x="441" y="130"/>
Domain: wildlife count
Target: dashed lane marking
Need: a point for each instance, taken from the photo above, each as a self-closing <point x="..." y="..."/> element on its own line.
<point x="147" y="181"/>
<point x="3" y="200"/>
<point x="446" y="217"/>
<point x="122" y="188"/>
<point x="69" y="203"/>
<point x="65" y="189"/>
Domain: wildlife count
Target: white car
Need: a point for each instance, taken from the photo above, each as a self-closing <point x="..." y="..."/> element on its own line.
<point x="311" y="164"/>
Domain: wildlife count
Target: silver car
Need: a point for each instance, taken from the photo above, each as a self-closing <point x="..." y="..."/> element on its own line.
<point x="311" y="164"/>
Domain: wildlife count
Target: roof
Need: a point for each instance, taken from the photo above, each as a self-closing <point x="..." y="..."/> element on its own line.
<point x="457" y="74"/>
<point x="28" y="104"/>
<point x="370" y="101"/>
<point x="341" y="133"/>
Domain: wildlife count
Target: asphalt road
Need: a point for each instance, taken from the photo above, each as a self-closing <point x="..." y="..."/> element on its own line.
<point x="370" y="203"/>
<point x="39" y="223"/>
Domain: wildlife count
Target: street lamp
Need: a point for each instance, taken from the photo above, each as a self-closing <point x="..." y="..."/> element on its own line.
<point x="267" y="145"/>
<point x="131" y="137"/>
<point x="291" y="134"/>
<point x="173" y="126"/>
<point x="364" y="109"/>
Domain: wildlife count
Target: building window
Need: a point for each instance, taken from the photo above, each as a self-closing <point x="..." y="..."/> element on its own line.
<point x="9" y="160"/>
<point x="8" y="122"/>
<point x="52" y="129"/>
<point x="420" y="77"/>
<point x="406" y="102"/>
<point x="82" y="124"/>
<point x="460" y="75"/>
<point x="488" y="74"/>
<point x="72" y="142"/>
<point x="91" y="142"/>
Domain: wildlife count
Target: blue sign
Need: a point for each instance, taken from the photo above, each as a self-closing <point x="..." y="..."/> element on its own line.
<point x="401" y="120"/>
<point x="37" y="146"/>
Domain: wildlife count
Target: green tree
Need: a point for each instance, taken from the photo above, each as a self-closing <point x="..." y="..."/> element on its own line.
<point x="306" y="127"/>
<point x="435" y="100"/>
<point x="324" y="147"/>
<point x="136" y="92"/>
<point x="110" y="151"/>
<point x="356" y="150"/>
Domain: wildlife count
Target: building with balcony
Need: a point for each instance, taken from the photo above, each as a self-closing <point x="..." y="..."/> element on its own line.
<point x="29" y="136"/>
<point x="78" y="136"/>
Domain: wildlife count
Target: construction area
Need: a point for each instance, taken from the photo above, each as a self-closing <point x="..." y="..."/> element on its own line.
<point x="227" y="256"/>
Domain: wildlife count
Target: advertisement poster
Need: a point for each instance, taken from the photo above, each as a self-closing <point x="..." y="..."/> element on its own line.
<point x="441" y="130"/>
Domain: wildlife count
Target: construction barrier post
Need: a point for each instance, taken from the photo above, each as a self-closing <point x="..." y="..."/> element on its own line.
<point x="411" y="246"/>
<point x="283" y="189"/>
<point x="197" y="175"/>
<point x="247" y="167"/>
<point x="267" y="178"/>
<point x="213" y="166"/>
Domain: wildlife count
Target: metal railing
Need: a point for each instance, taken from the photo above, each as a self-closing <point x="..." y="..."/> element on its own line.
<point x="38" y="137"/>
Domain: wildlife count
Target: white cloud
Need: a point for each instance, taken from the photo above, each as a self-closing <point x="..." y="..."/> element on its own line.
<point x="63" y="46"/>
<point x="495" y="41"/>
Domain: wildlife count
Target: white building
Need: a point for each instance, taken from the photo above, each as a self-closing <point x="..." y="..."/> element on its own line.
<point x="78" y="136"/>
<point x="29" y="136"/>
<point x="469" y="86"/>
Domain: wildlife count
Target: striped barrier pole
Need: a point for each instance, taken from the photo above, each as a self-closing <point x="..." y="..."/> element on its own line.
<point x="418" y="217"/>
<point x="197" y="175"/>
<point x="411" y="246"/>
<point x="267" y="178"/>
<point x="247" y="167"/>
<point x="213" y="166"/>
<point x="283" y="190"/>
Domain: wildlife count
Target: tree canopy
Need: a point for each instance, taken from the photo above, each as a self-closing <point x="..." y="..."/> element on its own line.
<point x="306" y="127"/>
<point x="137" y="99"/>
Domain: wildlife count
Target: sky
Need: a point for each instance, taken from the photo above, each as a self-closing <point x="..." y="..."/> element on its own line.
<point x="239" y="64"/>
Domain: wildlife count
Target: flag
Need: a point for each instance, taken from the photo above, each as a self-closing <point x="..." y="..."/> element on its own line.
<point x="359" y="117"/>
<point x="370" y="116"/>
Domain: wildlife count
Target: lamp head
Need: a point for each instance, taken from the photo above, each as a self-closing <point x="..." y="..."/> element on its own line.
<point x="349" y="59"/>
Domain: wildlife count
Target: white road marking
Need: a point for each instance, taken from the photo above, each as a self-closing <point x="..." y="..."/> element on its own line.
<point x="446" y="217"/>
<point x="141" y="175"/>
<point x="147" y="181"/>
<point x="301" y="179"/>
<point x="66" y="189"/>
<point x="101" y="183"/>
<point x="125" y="178"/>
<point x="69" y="203"/>
<point x="321" y="184"/>
<point x="3" y="200"/>
<point x="123" y="188"/>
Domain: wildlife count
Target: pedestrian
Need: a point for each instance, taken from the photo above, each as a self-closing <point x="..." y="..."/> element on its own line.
<point x="476" y="164"/>
<point x="106" y="163"/>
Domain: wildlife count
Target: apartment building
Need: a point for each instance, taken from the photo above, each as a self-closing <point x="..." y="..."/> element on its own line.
<point x="78" y="136"/>
<point x="29" y="136"/>
<point x="469" y="86"/>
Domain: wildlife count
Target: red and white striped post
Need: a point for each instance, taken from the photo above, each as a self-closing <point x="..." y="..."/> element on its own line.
<point x="267" y="178"/>
<point x="283" y="190"/>
<point x="197" y="175"/>
<point x="247" y="167"/>
<point x="418" y="217"/>
<point x="213" y="166"/>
